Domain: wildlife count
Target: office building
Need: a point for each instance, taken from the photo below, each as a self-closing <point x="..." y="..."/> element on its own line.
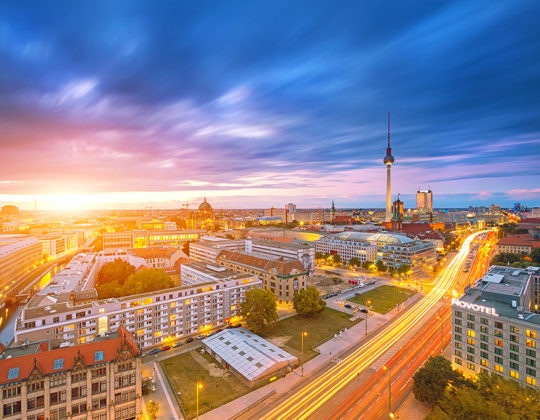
<point x="146" y="238"/>
<point x="496" y="324"/>
<point x="392" y="249"/>
<point x="197" y="273"/>
<point x="18" y="255"/>
<point x="208" y="248"/>
<point x="99" y="380"/>
<point x="424" y="201"/>
<point x="518" y="244"/>
<point x="9" y="210"/>
<point x="282" y="277"/>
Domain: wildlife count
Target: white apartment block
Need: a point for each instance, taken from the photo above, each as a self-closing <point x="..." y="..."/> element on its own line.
<point x="197" y="273"/>
<point x="347" y="249"/>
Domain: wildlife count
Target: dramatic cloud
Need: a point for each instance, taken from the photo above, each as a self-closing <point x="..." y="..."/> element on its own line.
<point x="254" y="104"/>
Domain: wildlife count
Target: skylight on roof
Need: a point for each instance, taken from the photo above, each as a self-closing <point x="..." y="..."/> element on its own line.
<point x="98" y="355"/>
<point x="13" y="373"/>
<point x="58" y="364"/>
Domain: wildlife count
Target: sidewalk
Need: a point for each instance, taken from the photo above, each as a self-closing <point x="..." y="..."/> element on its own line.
<point x="329" y="352"/>
<point x="164" y="396"/>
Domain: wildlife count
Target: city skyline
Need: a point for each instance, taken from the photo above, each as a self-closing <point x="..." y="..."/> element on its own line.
<point x="162" y="106"/>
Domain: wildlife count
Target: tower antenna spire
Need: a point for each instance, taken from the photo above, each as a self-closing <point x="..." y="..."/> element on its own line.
<point x="389" y="130"/>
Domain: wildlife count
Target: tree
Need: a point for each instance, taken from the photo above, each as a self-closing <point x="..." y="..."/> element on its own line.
<point x="489" y="397"/>
<point x="336" y="259"/>
<point x="380" y="266"/>
<point x="433" y="378"/>
<point x="147" y="280"/>
<point x="308" y="302"/>
<point x="319" y="255"/>
<point x="152" y="409"/>
<point x="535" y="255"/>
<point x="404" y="269"/>
<point x="259" y="309"/>
<point x="505" y="258"/>
<point x="392" y="271"/>
<point x="366" y="265"/>
<point x="355" y="262"/>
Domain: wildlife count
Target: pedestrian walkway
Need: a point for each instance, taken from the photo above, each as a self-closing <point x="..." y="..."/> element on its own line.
<point x="163" y="395"/>
<point x="330" y="351"/>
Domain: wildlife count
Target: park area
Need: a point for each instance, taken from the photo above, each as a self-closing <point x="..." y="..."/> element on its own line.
<point x="219" y="385"/>
<point x="321" y="328"/>
<point x="383" y="298"/>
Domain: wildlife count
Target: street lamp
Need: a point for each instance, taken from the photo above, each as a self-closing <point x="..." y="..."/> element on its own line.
<point x="199" y="386"/>
<point x="389" y="369"/>
<point x="304" y="334"/>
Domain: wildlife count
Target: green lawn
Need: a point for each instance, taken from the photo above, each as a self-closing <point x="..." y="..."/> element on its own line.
<point x="287" y="332"/>
<point x="219" y="386"/>
<point x="383" y="298"/>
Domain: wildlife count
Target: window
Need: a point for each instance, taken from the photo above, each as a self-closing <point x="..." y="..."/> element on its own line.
<point x="498" y="360"/>
<point x="514" y="338"/>
<point x="98" y="355"/>
<point x="530" y="371"/>
<point x="457" y="322"/>
<point x="458" y="353"/>
<point x="484" y="346"/>
<point x="484" y="321"/>
<point x="531" y="343"/>
<point x="13" y="373"/>
<point x="514" y="329"/>
<point x="458" y="314"/>
<point x="470" y="341"/>
<point x="484" y="338"/>
<point x="499" y="369"/>
<point x="514" y="374"/>
<point x="470" y="317"/>
<point x="470" y="366"/>
<point x="484" y="362"/>
<point x="531" y="334"/>
<point x="484" y="355"/>
<point x="470" y="350"/>
<point x="458" y="337"/>
<point x="458" y="361"/>
<point x="458" y="329"/>
<point x="471" y="325"/>
<point x="498" y="351"/>
<point x="471" y="333"/>
<point x="515" y="348"/>
<point x="484" y="329"/>
<point x="498" y="325"/>
<point x="514" y="356"/>
<point x="514" y="365"/>
<point x="531" y="381"/>
<point x="58" y="364"/>
<point x="531" y="353"/>
<point x="11" y="392"/>
<point x="470" y="358"/>
<point x="498" y="342"/>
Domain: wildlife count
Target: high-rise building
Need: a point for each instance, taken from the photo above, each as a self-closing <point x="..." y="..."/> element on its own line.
<point x="388" y="161"/>
<point x="9" y="210"/>
<point x="424" y="201"/>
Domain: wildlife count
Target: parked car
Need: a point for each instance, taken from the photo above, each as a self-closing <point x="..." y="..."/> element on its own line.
<point x="348" y="306"/>
<point x="177" y="344"/>
<point x="190" y="340"/>
<point x="165" y="348"/>
<point x="200" y="337"/>
<point x="155" y="351"/>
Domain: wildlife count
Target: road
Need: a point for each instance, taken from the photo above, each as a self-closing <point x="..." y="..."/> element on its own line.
<point x="310" y="399"/>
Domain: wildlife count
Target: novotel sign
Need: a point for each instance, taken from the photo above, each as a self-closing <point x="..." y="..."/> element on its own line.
<point x="474" y="307"/>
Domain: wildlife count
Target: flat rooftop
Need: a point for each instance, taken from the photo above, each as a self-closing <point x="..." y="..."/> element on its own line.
<point x="15" y="245"/>
<point x="218" y="272"/>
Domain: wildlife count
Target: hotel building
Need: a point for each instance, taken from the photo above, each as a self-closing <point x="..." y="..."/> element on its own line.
<point x="99" y="380"/>
<point x="496" y="325"/>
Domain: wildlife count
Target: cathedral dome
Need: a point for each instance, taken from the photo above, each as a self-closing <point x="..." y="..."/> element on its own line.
<point x="205" y="210"/>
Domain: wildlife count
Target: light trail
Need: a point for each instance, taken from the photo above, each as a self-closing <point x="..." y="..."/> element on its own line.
<point x="310" y="398"/>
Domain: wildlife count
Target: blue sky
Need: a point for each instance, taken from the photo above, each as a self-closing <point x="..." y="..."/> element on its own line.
<point x="126" y="103"/>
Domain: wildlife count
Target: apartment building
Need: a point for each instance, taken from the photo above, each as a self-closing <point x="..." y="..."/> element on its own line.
<point x="99" y="380"/>
<point x="496" y="324"/>
<point x="282" y="277"/>
<point x="153" y="317"/>
<point x="147" y="238"/>
<point x="518" y="244"/>
<point x="305" y="253"/>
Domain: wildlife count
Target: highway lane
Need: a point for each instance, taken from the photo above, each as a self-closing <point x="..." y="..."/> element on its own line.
<point x="305" y="403"/>
<point x="366" y="401"/>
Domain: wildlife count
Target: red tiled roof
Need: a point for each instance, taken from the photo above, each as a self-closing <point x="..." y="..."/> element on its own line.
<point x="531" y="220"/>
<point x="284" y="268"/>
<point x="44" y="360"/>
<point x="524" y="239"/>
<point x="416" y="228"/>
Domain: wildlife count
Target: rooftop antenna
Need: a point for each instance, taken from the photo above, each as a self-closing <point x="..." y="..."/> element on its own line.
<point x="389" y="130"/>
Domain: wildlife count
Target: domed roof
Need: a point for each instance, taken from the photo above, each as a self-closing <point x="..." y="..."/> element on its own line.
<point x="387" y="238"/>
<point x="205" y="205"/>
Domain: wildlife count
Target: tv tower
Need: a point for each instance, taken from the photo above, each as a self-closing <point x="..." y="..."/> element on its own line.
<point x="388" y="160"/>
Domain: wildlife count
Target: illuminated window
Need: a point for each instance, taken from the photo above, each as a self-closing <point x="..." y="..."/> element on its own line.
<point x="514" y="374"/>
<point x="498" y="342"/>
<point x="173" y="304"/>
<point x="499" y="368"/>
<point x="172" y="317"/>
<point x="471" y="333"/>
<point x="157" y="334"/>
<point x="531" y="334"/>
<point x="531" y="381"/>
<point x="140" y="311"/>
<point x="470" y="341"/>
<point x="531" y="343"/>
<point x="484" y="362"/>
<point x="146" y="301"/>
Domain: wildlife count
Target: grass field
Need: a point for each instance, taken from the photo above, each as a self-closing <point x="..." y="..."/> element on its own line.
<point x="219" y="386"/>
<point x="383" y="298"/>
<point x="287" y="332"/>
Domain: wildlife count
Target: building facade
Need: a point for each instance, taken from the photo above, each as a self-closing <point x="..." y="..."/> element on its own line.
<point x="424" y="201"/>
<point x="347" y="248"/>
<point x="99" y="380"/>
<point x="153" y="318"/>
<point x="518" y="244"/>
<point x="146" y="238"/>
<point x="496" y="326"/>
<point x="197" y="273"/>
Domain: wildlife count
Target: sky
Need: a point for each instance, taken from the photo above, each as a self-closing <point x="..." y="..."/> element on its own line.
<point x="131" y="104"/>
